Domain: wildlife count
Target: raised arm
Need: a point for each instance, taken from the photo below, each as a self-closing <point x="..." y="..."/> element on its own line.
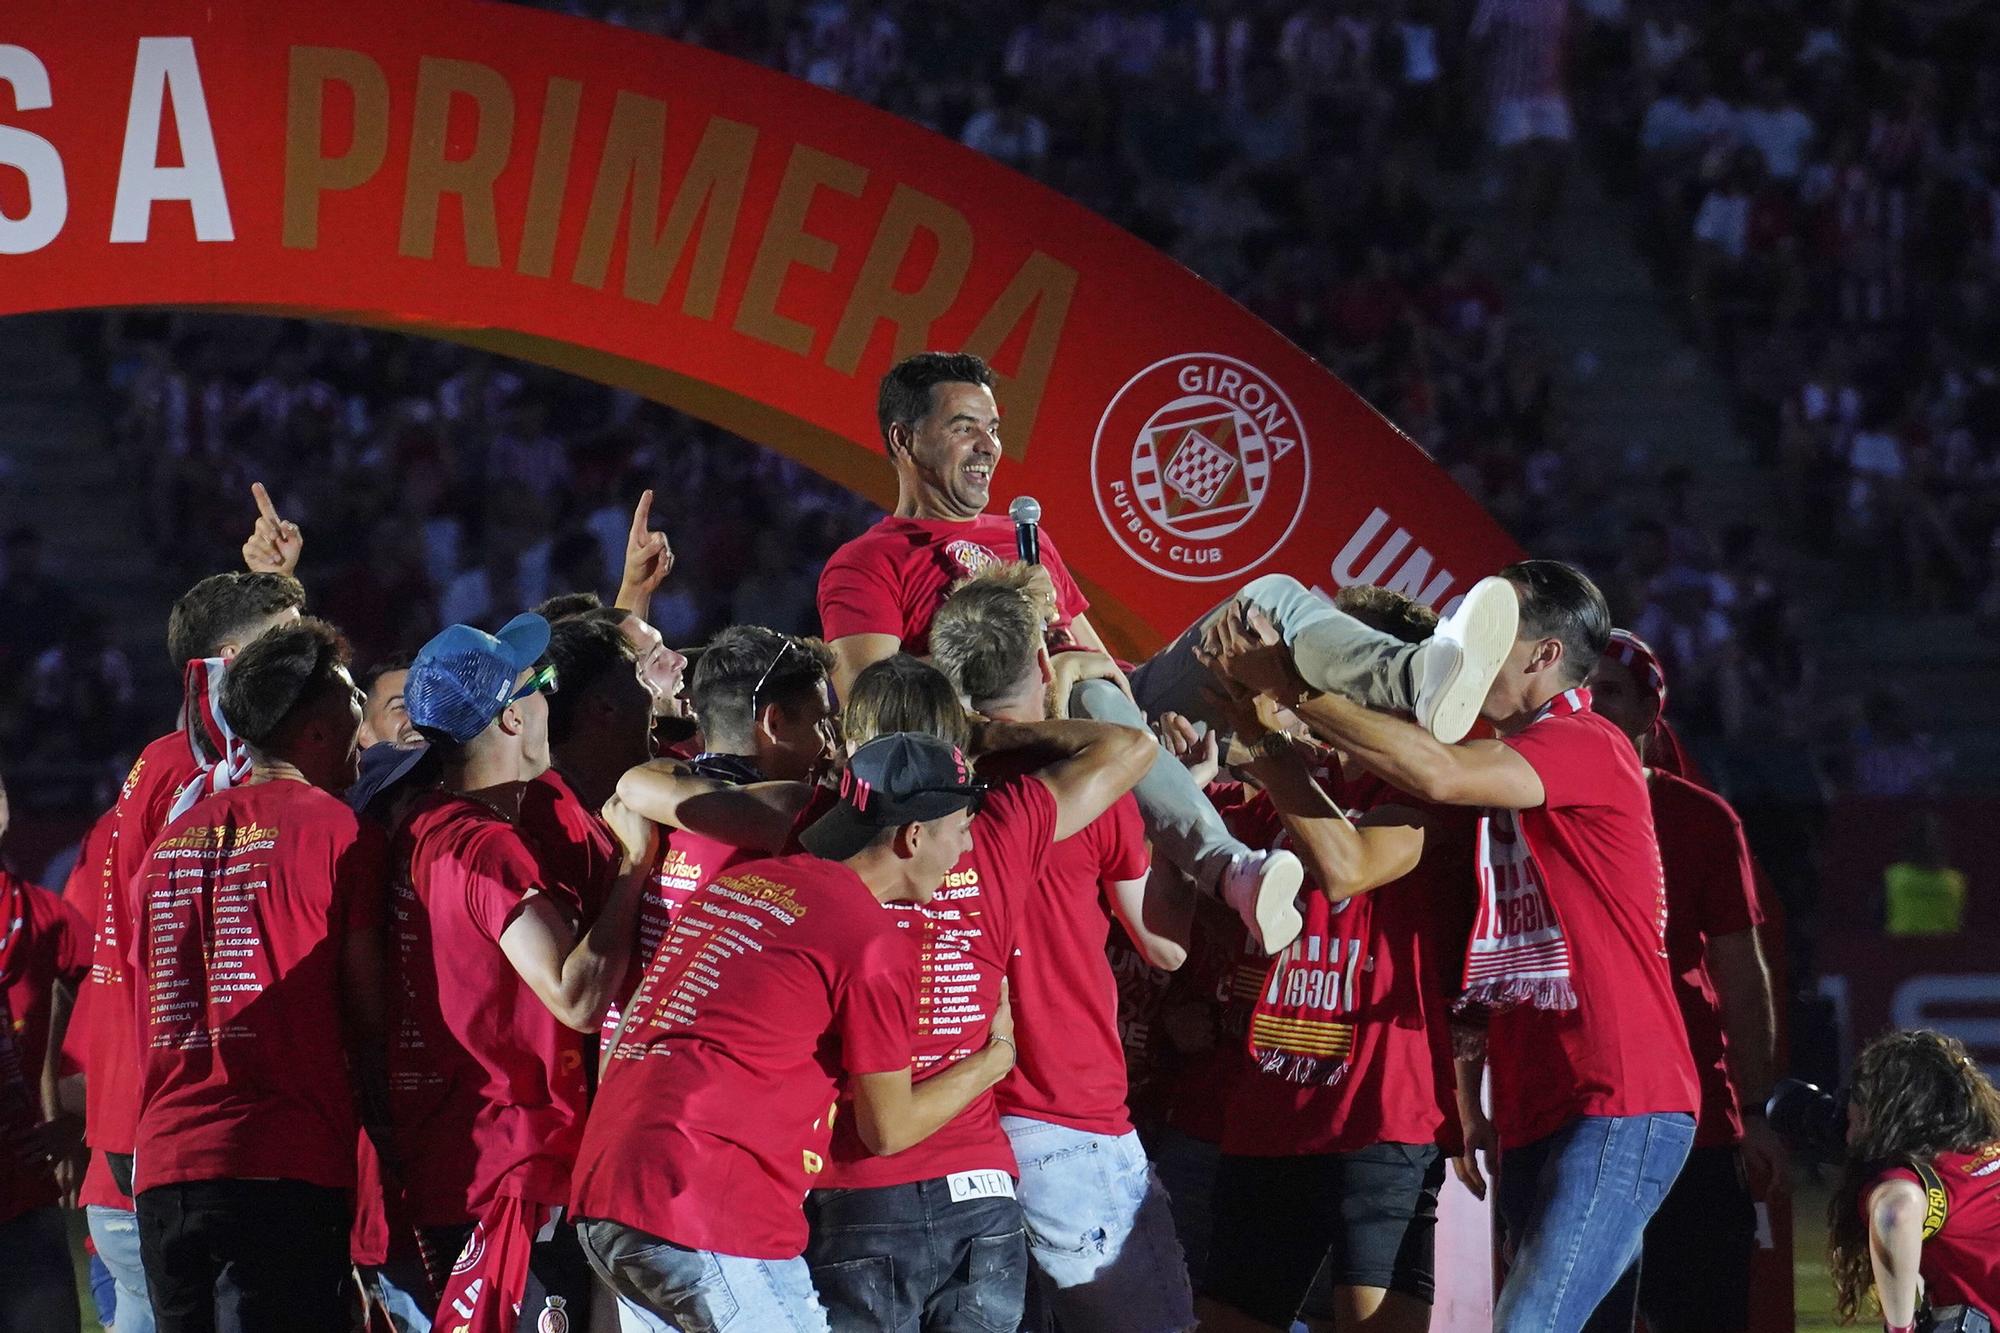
<point x="649" y="558"/>
<point x="1483" y="773"/>
<point x="757" y="816"/>
<point x="274" y="545"/>
<point x="1346" y="860"/>
<point x="1094" y="763"/>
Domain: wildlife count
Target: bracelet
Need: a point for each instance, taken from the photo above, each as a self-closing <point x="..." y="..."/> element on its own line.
<point x="992" y="1037"/>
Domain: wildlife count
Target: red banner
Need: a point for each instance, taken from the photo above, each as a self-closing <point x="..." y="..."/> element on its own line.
<point x="739" y="244"/>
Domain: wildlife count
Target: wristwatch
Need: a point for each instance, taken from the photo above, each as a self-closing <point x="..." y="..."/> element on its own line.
<point x="1272" y="745"/>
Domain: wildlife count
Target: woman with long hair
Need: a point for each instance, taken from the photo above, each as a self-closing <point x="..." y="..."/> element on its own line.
<point x="1919" y="1193"/>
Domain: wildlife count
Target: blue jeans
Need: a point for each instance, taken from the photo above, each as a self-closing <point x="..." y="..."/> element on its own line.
<point x="37" y="1284"/>
<point x="1575" y="1206"/>
<point x="115" y="1233"/>
<point x="911" y="1259"/>
<point x="700" y="1291"/>
<point x="1101" y="1230"/>
<point x="396" y="1286"/>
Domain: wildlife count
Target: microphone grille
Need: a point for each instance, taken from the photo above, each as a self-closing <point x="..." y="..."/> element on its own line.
<point x="1025" y="509"/>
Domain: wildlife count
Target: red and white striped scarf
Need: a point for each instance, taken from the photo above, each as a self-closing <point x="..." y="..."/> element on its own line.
<point x="1303" y="1025"/>
<point x="1519" y="953"/>
<point x="224" y="760"/>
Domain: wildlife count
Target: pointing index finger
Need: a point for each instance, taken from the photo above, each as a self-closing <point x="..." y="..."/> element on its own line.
<point x="263" y="498"/>
<point x="642" y="516"/>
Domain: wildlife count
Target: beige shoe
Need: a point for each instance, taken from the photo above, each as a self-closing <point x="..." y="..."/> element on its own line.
<point x="1264" y="889"/>
<point x="1459" y="661"/>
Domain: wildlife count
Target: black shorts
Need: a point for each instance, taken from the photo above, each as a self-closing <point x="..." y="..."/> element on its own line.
<point x="1369" y="1215"/>
<point x="1695" y="1276"/>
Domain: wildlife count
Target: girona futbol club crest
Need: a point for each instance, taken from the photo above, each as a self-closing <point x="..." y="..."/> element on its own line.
<point x="475" y="1250"/>
<point x="1200" y="467"/>
<point x="554" y="1317"/>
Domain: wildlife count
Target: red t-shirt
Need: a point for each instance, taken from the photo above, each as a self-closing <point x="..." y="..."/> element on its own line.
<point x="486" y="1086"/>
<point x="576" y="847"/>
<point x="1387" y="973"/>
<point x="1072" y="1065"/>
<point x="111" y="1087"/>
<point x="85" y="895"/>
<point x="1622" y="1051"/>
<point x="1711" y="891"/>
<point x="49" y="943"/>
<point x="965" y="938"/>
<point x="1961" y="1263"/>
<point x="893" y="578"/>
<point x="777" y="980"/>
<point x="248" y="899"/>
<point x="685" y="863"/>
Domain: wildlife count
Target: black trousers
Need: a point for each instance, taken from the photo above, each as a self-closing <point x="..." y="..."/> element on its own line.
<point x="906" y="1259"/>
<point x="247" y="1256"/>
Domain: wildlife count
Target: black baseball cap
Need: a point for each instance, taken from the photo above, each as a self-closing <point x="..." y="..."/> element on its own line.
<point x="905" y="777"/>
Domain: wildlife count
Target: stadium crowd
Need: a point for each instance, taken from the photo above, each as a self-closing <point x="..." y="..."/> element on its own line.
<point x="1194" y="128"/>
<point x="1822" y="180"/>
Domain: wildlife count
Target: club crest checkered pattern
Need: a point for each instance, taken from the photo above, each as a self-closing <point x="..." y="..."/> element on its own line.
<point x="1216" y="469"/>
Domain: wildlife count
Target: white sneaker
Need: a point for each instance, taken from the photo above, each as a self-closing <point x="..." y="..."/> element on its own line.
<point x="1457" y="664"/>
<point x="1263" y="887"/>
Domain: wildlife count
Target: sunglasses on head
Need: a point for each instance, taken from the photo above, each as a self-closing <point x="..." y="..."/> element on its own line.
<point x="543" y="681"/>
<point x="757" y="690"/>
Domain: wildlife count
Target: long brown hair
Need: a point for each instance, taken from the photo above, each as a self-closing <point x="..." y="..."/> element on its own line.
<point x="1915" y="1095"/>
<point x="903" y="693"/>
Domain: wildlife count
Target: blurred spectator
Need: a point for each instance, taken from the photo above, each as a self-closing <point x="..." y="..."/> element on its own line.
<point x="33" y="606"/>
<point x="1846" y="282"/>
<point x="1923" y="893"/>
<point x="1891" y="758"/>
<point x="1004" y="129"/>
<point x="79" y="699"/>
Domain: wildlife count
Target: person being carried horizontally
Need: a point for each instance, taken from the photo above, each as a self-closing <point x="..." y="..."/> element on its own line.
<point x="1594" y="1090"/>
<point x="879" y="593"/>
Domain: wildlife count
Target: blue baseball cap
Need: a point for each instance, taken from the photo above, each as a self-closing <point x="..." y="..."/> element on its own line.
<point x="464" y="677"/>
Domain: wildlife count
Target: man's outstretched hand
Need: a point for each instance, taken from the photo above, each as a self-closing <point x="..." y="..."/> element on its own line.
<point x="648" y="559"/>
<point x="1244" y="646"/>
<point x="275" y="544"/>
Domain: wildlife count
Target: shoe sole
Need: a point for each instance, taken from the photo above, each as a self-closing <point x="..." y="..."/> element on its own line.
<point x="1487" y="623"/>
<point x="1277" y="912"/>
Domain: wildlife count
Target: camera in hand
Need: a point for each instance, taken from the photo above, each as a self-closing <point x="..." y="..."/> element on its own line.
<point x="1954" y="1319"/>
<point x="1810" y="1118"/>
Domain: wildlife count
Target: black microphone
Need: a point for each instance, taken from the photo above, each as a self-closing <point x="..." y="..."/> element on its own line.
<point x="1026" y="511"/>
